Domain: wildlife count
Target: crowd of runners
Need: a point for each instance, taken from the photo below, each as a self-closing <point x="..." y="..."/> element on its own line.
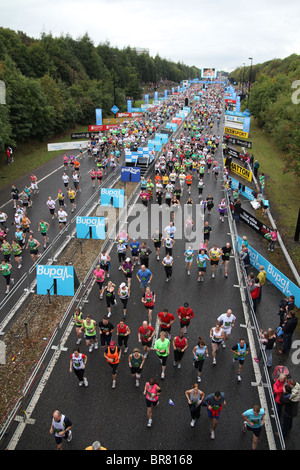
<point x="183" y="165"/>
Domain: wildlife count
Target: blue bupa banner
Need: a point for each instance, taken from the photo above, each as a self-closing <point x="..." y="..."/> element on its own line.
<point x="273" y="274"/>
<point x="112" y="197"/>
<point x="90" y="227"/>
<point x="131" y="173"/>
<point x="98" y="117"/>
<point x="129" y="106"/>
<point x="246" y="125"/>
<point x="58" y="279"/>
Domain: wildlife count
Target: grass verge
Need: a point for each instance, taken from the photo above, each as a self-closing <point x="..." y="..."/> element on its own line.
<point x="282" y="189"/>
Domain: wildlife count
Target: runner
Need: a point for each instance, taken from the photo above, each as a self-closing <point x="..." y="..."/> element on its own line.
<point x="61" y="198"/>
<point x="189" y="254"/>
<point x="123" y="332"/>
<point x="227" y="321"/>
<point x="33" y="183"/>
<point x="152" y="392"/>
<point x="33" y="245"/>
<point x="195" y="398"/>
<point x="240" y="350"/>
<point x="99" y="276"/>
<point x="254" y="419"/>
<point x="136" y="361"/>
<point x="77" y="364"/>
<point x="144" y="276"/>
<point x="222" y="209"/>
<point x="5" y="269"/>
<point x="214" y="254"/>
<point x="201" y="263"/>
<point x="121" y="250"/>
<point x="127" y="269"/>
<point x="123" y="293"/>
<point x="51" y="206"/>
<point x="62" y="218"/>
<point x="77" y="317"/>
<point x="106" y="330"/>
<point x="185" y="314"/>
<point x="72" y="195"/>
<point x="105" y="260"/>
<point x="134" y="247"/>
<point x="89" y="329"/>
<point x="166" y="319"/>
<point x="180" y="344"/>
<point x="113" y="354"/>
<point x="145" y="336"/>
<point x="200" y="351"/>
<point x="110" y="296"/>
<point x="214" y="403"/>
<point x="17" y="252"/>
<point x="167" y="262"/>
<point x="226" y="252"/>
<point x="61" y="428"/>
<point x="162" y="348"/>
<point x="148" y="300"/>
<point x="157" y="239"/>
<point x="43" y="227"/>
<point x="217" y="337"/>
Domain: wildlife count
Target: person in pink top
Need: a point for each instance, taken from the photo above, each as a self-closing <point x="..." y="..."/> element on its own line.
<point x="274" y="236"/>
<point x="99" y="276"/>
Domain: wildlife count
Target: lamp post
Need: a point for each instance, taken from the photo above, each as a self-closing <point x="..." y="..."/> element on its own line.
<point x="114" y="79"/>
<point x="243" y="78"/>
<point x="250" y="58"/>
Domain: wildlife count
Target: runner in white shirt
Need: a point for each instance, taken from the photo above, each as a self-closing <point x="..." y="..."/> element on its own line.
<point x="62" y="217"/>
<point x="51" y="205"/>
<point x="65" y="179"/>
<point x="228" y="320"/>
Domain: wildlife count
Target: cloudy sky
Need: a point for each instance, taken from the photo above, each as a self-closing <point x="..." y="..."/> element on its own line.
<point x="205" y="33"/>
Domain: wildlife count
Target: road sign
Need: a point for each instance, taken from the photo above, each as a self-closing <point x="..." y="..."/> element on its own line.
<point x="114" y="109"/>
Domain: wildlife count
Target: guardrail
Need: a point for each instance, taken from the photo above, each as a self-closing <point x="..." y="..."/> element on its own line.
<point x="253" y="328"/>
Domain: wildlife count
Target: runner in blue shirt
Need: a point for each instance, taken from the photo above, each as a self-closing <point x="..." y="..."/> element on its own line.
<point x="254" y="419"/>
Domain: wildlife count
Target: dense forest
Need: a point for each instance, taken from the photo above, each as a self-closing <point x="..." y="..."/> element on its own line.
<point x="54" y="83"/>
<point x="274" y="101"/>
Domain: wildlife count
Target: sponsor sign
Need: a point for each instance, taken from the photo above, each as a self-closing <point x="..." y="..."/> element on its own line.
<point x="243" y="190"/>
<point x="67" y="145"/>
<point x="90" y="227"/>
<point x="81" y="135"/>
<point x="98" y="117"/>
<point x="254" y="223"/>
<point x="241" y="143"/>
<point x="129" y="106"/>
<point x="278" y="279"/>
<point x="236" y="132"/>
<point x="124" y="115"/>
<point x="114" y="109"/>
<point x="112" y="197"/>
<point x="131" y="173"/>
<point x="58" y="279"/>
<point x="102" y="128"/>
<point x="241" y="171"/>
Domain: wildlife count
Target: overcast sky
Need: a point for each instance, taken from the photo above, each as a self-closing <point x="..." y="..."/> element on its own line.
<point x="210" y="33"/>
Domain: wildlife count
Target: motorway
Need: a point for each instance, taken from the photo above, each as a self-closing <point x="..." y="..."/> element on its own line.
<point x="117" y="417"/>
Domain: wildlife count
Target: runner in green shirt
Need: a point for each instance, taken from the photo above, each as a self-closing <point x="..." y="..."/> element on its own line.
<point x="162" y="348"/>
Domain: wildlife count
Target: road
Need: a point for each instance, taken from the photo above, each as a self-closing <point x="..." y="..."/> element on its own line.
<point x="117" y="417"/>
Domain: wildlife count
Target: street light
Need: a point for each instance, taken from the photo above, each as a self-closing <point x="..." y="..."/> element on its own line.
<point x="114" y="78"/>
<point x="250" y="58"/>
<point x="243" y="78"/>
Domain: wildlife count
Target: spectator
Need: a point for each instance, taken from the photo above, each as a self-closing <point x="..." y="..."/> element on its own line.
<point x="288" y="329"/>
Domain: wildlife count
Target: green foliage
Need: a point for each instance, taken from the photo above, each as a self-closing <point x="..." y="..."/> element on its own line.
<point x="271" y="102"/>
<point x="54" y="83"/>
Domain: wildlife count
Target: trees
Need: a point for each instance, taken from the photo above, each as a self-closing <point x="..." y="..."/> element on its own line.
<point x="272" y="104"/>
